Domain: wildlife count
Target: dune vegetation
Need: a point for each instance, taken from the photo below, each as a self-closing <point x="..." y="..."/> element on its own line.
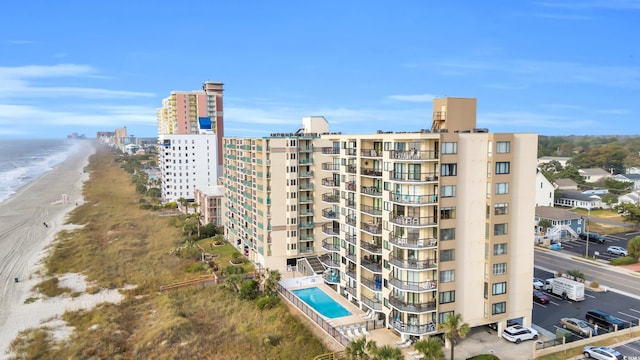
<point x="123" y="245"/>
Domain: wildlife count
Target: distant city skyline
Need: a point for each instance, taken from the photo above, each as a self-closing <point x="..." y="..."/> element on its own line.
<point x="552" y="67"/>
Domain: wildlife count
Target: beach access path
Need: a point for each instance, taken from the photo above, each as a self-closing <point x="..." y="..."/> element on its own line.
<point x="24" y="237"/>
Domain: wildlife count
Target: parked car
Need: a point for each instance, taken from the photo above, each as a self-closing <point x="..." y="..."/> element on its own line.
<point x="605" y="320"/>
<point x="617" y="250"/>
<point x="592" y="237"/>
<point x="537" y="283"/>
<point x="519" y="333"/>
<point x="601" y="353"/>
<point x="540" y="297"/>
<point x="576" y="325"/>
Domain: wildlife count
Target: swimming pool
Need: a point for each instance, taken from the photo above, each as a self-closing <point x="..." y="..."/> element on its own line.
<point x="321" y="302"/>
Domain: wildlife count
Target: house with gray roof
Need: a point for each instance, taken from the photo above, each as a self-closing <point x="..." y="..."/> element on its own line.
<point x="566" y="184"/>
<point x="631" y="178"/>
<point x="577" y="199"/>
<point x="565" y="224"/>
<point x="594" y="174"/>
<point x="547" y="159"/>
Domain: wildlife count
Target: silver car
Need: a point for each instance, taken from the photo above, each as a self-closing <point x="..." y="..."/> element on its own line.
<point x="617" y="250"/>
<point x="578" y="326"/>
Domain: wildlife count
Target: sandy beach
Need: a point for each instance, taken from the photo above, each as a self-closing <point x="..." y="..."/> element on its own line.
<point x="23" y="243"/>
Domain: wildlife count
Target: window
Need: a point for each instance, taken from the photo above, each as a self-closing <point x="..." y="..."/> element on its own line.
<point x="447" y="213"/>
<point x="500" y="249"/>
<point x="447" y="255"/>
<point x="499" y="288"/>
<point x="502" y="188"/>
<point x="442" y="317"/>
<point x="447" y="297"/>
<point x="498" y="308"/>
<point x="502" y="167"/>
<point x="449" y="148"/>
<point x="501" y="209"/>
<point x="503" y="147"/>
<point x="448" y="191"/>
<point x="447" y="276"/>
<point x="447" y="234"/>
<point x="499" y="269"/>
<point x="449" y="170"/>
<point x="500" y="229"/>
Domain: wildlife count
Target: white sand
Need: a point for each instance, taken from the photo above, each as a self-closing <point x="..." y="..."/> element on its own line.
<point x="23" y="243"/>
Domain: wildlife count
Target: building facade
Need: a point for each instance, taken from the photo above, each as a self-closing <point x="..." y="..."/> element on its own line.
<point x="413" y="226"/>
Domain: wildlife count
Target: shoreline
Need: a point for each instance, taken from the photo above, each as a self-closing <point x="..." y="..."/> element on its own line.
<point x="24" y="240"/>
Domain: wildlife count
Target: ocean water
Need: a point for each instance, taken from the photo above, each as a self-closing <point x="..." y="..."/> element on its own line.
<point x="22" y="161"/>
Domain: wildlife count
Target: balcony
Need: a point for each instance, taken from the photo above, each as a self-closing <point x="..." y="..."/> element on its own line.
<point x="413" y="264"/>
<point x="330" y="182"/>
<point x="414" y="286"/>
<point x="372" y="303"/>
<point x="351" y="169"/>
<point x="371" y="190"/>
<point x="414" y="155"/>
<point x="308" y="148"/>
<point x="371" y="172"/>
<point x="306" y="212"/>
<point x="352" y="274"/>
<point x="371" y="210"/>
<point x="375" y="285"/>
<point x="303" y="237"/>
<point x="331" y="151"/>
<point x="305" y="199"/>
<point x="351" y="239"/>
<point x="329" y="229"/>
<point x="305" y="187"/>
<point x="351" y="290"/>
<point x="351" y="256"/>
<point x="372" y="266"/>
<point x="372" y="228"/>
<point x="350" y="185"/>
<point x="306" y="225"/>
<point x="303" y="174"/>
<point x="371" y="153"/>
<point x="330" y="167"/>
<point x="351" y="152"/>
<point x="413" y="221"/>
<point x="414" y="199"/>
<point x="372" y="248"/>
<point x="414" y="329"/>
<point x="329" y="245"/>
<point x="350" y="203"/>
<point x="413" y="177"/>
<point x="412" y="307"/>
<point x="329" y="262"/>
<point x="332" y="278"/>
<point x="328" y="213"/>
<point x="330" y="198"/>
<point x="305" y="161"/>
<point x="305" y="250"/>
<point x="413" y="243"/>
<point x="350" y="220"/>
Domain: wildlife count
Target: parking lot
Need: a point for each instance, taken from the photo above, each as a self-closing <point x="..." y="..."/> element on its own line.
<point x="599" y="251"/>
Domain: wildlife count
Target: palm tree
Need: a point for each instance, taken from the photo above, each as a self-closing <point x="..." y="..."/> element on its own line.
<point x="233" y="282"/>
<point x="430" y="347"/>
<point x="454" y="329"/>
<point x="271" y="282"/>
<point x="387" y="352"/>
<point x="357" y="349"/>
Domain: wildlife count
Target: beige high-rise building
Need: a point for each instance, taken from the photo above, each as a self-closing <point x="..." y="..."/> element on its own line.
<point x="413" y="225"/>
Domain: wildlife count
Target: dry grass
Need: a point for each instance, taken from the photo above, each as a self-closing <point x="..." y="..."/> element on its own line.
<point x="121" y="244"/>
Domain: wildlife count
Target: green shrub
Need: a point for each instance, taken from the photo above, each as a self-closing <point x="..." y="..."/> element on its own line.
<point x="594" y="284"/>
<point x="626" y="260"/>
<point x="195" y="267"/>
<point x="249" y="290"/>
<point x="145" y="206"/>
<point x="266" y="302"/>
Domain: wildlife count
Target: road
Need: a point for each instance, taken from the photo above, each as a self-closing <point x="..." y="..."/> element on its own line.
<point x="593" y="271"/>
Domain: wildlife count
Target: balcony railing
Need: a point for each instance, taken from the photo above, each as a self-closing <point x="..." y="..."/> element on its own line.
<point x="371" y="172"/>
<point x="351" y="256"/>
<point x="351" y="239"/>
<point x="330" y="167"/>
<point x="413" y="242"/>
<point x="329" y="262"/>
<point x="350" y="203"/>
<point x="371" y="190"/>
<point x="350" y="220"/>
<point x="371" y="227"/>
<point x="303" y="174"/>
<point x="306" y="225"/>
<point x="413" y="177"/>
<point x="331" y="198"/>
<point x="375" y="285"/>
<point x="413" y="263"/>
<point x="351" y="290"/>
<point x="372" y="266"/>
<point x="351" y="152"/>
<point x="350" y="185"/>
<point x="372" y="303"/>
<point x="305" y="199"/>
<point x="371" y="210"/>
<point x="330" y="150"/>
<point x="414" y="199"/>
<point x="305" y="250"/>
<point x="329" y="245"/>
<point x="330" y="230"/>
<point x="329" y="213"/>
<point x="414" y="329"/>
<point x="352" y="274"/>
<point x="373" y="248"/>
<point x="330" y="182"/>
<point x="351" y="169"/>
<point x="414" y="155"/>
<point x="413" y="221"/>
<point x="412" y="307"/>
<point x="371" y="153"/>
<point x="332" y="278"/>
<point x="415" y="286"/>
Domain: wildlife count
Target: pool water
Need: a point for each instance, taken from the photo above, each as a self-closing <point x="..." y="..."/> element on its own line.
<point x="321" y="302"/>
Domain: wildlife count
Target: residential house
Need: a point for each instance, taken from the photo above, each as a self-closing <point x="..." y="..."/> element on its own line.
<point x="544" y="190"/>
<point x="565" y="224"/>
<point x="630" y="178"/>
<point x="594" y="174"/>
<point x="570" y="198"/>
<point x="566" y="184"/>
<point x="547" y="159"/>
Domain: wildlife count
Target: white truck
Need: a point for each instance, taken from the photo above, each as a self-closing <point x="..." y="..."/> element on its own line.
<point x="565" y="288"/>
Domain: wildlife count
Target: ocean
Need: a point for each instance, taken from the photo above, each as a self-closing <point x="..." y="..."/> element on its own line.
<point x="22" y="161"/>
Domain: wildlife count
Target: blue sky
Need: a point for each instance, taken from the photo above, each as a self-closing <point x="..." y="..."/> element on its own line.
<point x="554" y="67"/>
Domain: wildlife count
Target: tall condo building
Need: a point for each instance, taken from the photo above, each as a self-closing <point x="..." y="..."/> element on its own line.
<point x="410" y="225"/>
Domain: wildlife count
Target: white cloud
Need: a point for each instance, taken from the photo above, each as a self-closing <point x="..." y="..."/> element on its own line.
<point x="413" y="98"/>
<point x="40" y="71"/>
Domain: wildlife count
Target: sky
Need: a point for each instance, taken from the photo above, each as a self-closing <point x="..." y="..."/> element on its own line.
<point x="552" y="67"/>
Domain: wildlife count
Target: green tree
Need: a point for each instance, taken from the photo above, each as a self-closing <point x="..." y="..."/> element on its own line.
<point x="431" y="348"/>
<point x="454" y="329"/>
<point x="609" y="199"/>
<point x="387" y="352"/>
<point x="545" y="223"/>
<point x="630" y="212"/>
<point x="270" y="281"/>
<point x="232" y="282"/>
<point x="357" y="349"/>
<point x="249" y="290"/>
<point x="571" y="172"/>
<point x="575" y="273"/>
<point x="634" y="247"/>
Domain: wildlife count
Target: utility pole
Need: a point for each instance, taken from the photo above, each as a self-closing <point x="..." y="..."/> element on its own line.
<point x="586" y="253"/>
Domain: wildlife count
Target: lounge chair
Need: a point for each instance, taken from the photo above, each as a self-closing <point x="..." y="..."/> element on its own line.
<point x="364" y="330"/>
<point x="366" y="315"/>
<point x="418" y="356"/>
<point x="407" y="344"/>
<point x="350" y="333"/>
<point x="356" y="332"/>
<point x="400" y="342"/>
<point x="413" y="352"/>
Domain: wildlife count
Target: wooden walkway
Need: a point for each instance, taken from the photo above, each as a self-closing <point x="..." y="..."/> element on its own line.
<point x="211" y="279"/>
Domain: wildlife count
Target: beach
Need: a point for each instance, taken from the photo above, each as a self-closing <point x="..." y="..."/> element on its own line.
<point x="24" y="240"/>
